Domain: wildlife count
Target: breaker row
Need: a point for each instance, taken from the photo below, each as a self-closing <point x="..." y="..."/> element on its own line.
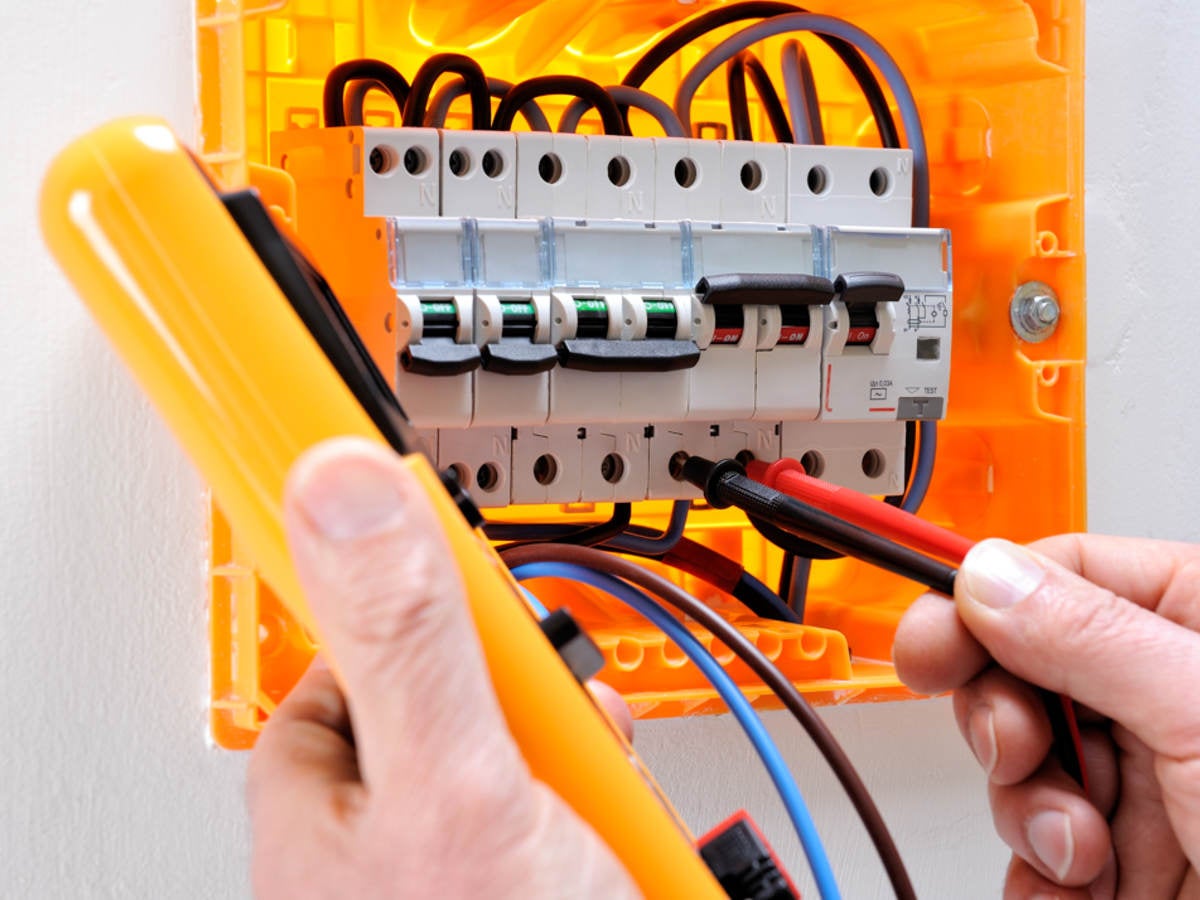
<point x="582" y="322"/>
<point x="432" y="172"/>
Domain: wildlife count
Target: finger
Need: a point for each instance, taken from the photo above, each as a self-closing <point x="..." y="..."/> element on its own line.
<point x="379" y="577"/>
<point x="933" y="651"/>
<point x="1005" y="725"/>
<point x="1159" y="575"/>
<point x="1052" y="826"/>
<point x="1100" y="761"/>
<point x="303" y="757"/>
<point x="1153" y="861"/>
<point x="1024" y="882"/>
<point x="1050" y="627"/>
<point x="614" y="705"/>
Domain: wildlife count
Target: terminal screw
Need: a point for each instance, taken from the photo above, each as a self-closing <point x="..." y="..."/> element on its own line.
<point x="1034" y="311"/>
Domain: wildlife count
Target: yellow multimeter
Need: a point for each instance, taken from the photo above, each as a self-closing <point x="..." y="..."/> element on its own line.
<point x="247" y="355"/>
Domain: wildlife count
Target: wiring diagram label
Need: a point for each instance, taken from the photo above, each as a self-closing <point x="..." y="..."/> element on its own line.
<point x="927" y="311"/>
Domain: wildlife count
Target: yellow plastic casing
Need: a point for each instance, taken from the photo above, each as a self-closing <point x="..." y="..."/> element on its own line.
<point x="999" y="86"/>
<point x="212" y="340"/>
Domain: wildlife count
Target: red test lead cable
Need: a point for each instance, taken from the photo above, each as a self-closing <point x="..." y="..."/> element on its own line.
<point x="787" y="476"/>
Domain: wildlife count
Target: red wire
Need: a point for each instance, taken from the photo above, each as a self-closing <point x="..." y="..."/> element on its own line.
<point x="788" y="477"/>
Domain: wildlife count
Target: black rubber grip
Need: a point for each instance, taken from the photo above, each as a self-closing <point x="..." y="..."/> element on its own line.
<point x="518" y="357"/>
<point x="764" y="289"/>
<point x="855" y="288"/>
<point x="440" y="358"/>
<point x="597" y="355"/>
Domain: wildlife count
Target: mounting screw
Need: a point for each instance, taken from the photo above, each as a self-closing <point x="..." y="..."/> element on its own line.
<point x="1034" y="311"/>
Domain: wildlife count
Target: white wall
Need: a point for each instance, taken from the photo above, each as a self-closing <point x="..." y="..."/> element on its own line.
<point x="108" y="787"/>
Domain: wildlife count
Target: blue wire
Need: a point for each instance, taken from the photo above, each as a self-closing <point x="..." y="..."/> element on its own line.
<point x="538" y="607"/>
<point x="785" y="783"/>
<point x="918" y="485"/>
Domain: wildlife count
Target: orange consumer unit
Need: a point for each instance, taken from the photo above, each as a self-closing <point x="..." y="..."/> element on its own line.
<point x="583" y="239"/>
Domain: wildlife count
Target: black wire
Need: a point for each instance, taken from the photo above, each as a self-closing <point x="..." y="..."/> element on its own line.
<point x="436" y="66"/>
<point x="587" y="536"/>
<point x="785" y="577"/>
<point x="761" y="600"/>
<point x="746" y="63"/>
<point x="570" y="85"/>
<point x="375" y="70"/>
<point x="739" y="101"/>
<point x="598" y="534"/>
<point x="356" y="98"/>
<point x="759" y="9"/>
<point x="439" y="105"/>
<point x="790" y="543"/>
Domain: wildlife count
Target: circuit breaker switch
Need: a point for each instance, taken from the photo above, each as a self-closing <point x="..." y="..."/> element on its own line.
<point x="516" y="353"/>
<point x="662" y="319"/>
<point x="795" y="325"/>
<point x="766" y="289"/>
<point x="592" y="317"/>
<point x="862" y="292"/>
<point x="730" y="324"/>
<point x="435" y="329"/>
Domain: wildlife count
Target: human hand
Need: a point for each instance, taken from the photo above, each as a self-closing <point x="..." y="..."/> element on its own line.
<point x="408" y="784"/>
<point x="1124" y="644"/>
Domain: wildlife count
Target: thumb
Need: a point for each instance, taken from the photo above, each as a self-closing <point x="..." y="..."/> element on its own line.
<point x="1052" y="628"/>
<point x="381" y="582"/>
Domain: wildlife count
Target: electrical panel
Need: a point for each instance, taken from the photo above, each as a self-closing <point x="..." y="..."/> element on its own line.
<point x="563" y="313"/>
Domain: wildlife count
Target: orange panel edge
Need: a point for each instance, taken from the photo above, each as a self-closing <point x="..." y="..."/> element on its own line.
<point x="999" y="84"/>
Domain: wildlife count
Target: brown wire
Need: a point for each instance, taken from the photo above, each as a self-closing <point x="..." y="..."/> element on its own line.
<point x="742" y="647"/>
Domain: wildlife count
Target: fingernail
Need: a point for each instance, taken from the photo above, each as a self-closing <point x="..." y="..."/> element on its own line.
<point x="346" y="497"/>
<point x="998" y="573"/>
<point x="981" y="726"/>
<point x="319" y="663"/>
<point x="1050" y="836"/>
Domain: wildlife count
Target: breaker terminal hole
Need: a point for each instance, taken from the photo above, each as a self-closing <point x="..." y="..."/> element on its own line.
<point x="612" y="468"/>
<point x="550" y="168"/>
<point x="873" y="463"/>
<point x="488" y="477"/>
<point x="675" y="464"/>
<point x="545" y="470"/>
<point x="619" y="171"/>
<point x="818" y="180"/>
<point x="459" y="162"/>
<point x="813" y="463"/>
<point x="415" y="161"/>
<point x="744" y="458"/>
<point x="382" y="159"/>
<point x="880" y="182"/>
<point x="751" y="175"/>
<point x="492" y="163"/>
<point x="686" y="172"/>
<point x="461" y="474"/>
